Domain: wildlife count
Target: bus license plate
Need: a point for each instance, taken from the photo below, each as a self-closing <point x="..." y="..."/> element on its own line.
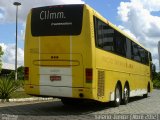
<point x="55" y="78"/>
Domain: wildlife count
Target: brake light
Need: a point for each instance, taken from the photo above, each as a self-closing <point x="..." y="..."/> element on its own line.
<point x="89" y="75"/>
<point x="26" y="73"/>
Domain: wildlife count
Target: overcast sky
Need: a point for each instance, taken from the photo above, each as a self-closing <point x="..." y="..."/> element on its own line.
<point x="139" y="18"/>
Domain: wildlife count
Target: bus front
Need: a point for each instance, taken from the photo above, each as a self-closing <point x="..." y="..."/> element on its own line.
<point x="58" y="52"/>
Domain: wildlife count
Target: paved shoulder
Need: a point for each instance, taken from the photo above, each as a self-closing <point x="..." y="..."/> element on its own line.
<point x="47" y="110"/>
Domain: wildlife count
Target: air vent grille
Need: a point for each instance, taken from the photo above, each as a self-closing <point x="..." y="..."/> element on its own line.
<point x="101" y="78"/>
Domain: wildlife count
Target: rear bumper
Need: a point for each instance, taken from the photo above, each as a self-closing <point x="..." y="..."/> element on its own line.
<point x="59" y="91"/>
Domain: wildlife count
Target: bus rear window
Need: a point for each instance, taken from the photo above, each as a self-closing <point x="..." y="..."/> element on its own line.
<point x="57" y="20"/>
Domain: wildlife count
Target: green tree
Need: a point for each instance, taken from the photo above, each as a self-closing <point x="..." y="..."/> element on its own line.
<point x="20" y="73"/>
<point x="156" y="80"/>
<point x="1" y="53"/>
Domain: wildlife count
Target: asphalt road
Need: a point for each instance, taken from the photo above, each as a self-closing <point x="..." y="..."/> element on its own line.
<point x="137" y="109"/>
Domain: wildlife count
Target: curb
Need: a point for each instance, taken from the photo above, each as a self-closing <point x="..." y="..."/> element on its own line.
<point x="27" y="99"/>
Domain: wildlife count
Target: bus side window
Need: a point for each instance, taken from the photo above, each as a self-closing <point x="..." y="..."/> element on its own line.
<point x="98" y="33"/>
<point x="120" y="44"/>
<point x="104" y="35"/>
<point x="108" y="38"/>
<point x="128" y="50"/>
<point x="135" y="52"/>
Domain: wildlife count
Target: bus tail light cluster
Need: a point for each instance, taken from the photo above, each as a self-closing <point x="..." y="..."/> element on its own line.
<point x="26" y="73"/>
<point x="89" y="75"/>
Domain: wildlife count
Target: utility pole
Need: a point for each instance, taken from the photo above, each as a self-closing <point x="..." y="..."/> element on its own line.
<point x="16" y="4"/>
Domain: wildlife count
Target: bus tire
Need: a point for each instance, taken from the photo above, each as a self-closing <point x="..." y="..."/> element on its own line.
<point x="126" y="92"/>
<point x="117" y="96"/>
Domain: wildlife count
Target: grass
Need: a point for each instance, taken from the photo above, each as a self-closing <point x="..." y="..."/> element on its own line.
<point x="7" y="87"/>
<point x="156" y="84"/>
<point x="20" y="94"/>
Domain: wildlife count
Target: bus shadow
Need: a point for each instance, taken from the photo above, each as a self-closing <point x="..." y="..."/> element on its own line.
<point x="137" y="98"/>
<point x="51" y="108"/>
<point x="57" y="108"/>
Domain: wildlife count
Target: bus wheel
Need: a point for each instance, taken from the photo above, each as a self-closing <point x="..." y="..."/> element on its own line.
<point x="125" y="95"/>
<point x="117" y="96"/>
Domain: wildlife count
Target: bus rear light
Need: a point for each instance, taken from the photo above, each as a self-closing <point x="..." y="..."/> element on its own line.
<point x="89" y="75"/>
<point x="26" y="73"/>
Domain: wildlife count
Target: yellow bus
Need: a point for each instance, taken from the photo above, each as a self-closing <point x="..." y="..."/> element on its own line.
<point x="73" y="53"/>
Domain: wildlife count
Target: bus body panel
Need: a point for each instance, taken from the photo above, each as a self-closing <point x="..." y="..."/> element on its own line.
<point x="115" y="68"/>
<point x="58" y="56"/>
